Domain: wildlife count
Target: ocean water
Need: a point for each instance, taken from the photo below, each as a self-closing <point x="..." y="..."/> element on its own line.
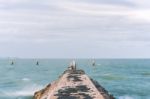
<point x="124" y="78"/>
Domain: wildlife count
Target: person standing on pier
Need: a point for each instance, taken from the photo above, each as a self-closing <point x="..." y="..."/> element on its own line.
<point x="72" y="65"/>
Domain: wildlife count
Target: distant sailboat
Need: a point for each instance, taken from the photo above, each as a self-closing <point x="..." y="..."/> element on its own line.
<point x="93" y="63"/>
<point x="37" y="63"/>
<point x="12" y="63"/>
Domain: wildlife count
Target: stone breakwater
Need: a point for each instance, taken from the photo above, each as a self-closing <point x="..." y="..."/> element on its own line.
<point x="73" y="84"/>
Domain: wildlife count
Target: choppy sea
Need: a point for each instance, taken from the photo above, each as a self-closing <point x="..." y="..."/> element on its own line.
<point x="124" y="78"/>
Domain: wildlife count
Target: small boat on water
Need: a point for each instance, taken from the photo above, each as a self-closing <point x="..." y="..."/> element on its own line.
<point x="93" y="63"/>
<point x="37" y="63"/>
<point x="12" y="63"/>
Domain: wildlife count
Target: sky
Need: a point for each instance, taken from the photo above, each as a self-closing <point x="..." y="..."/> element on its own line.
<point x="75" y="28"/>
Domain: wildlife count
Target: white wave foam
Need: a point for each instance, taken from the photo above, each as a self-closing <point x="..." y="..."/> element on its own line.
<point x="99" y="64"/>
<point x="26" y="91"/>
<point x="126" y="97"/>
<point x="25" y="79"/>
<point x="107" y="74"/>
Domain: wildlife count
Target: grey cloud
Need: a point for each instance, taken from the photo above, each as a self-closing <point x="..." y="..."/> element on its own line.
<point x="47" y="25"/>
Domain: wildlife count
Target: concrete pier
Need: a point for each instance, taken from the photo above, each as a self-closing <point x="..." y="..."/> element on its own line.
<point x="73" y="84"/>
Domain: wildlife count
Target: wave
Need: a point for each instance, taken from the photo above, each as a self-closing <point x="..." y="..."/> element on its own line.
<point x="125" y="97"/>
<point x="25" y="79"/>
<point x="26" y="91"/>
<point x="145" y="73"/>
<point x="109" y="76"/>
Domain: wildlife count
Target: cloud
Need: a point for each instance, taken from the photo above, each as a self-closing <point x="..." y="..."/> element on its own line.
<point x="141" y="15"/>
<point x="74" y="26"/>
<point x="94" y="9"/>
<point x="140" y="4"/>
<point x="132" y="13"/>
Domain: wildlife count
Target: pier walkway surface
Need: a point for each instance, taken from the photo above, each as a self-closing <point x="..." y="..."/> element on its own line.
<point x="73" y="84"/>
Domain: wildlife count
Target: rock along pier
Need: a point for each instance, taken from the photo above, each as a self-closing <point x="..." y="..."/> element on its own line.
<point x="73" y="84"/>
